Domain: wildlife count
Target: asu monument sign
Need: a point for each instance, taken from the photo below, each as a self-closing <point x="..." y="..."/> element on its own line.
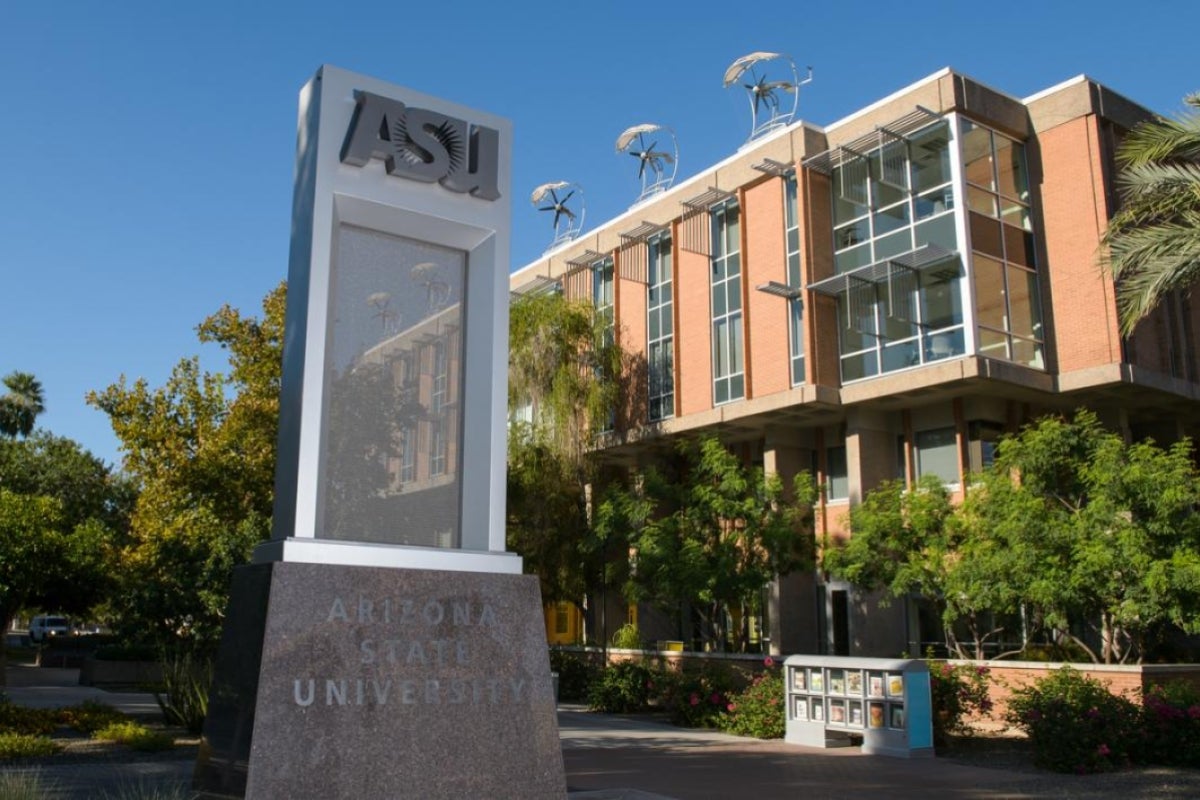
<point x="383" y="644"/>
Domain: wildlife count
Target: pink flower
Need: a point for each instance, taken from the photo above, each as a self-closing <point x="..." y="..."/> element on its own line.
<point x="731" y="707"/>
<point x="768" y="662"/>
<point x="1103" y="750"/>
<point x="694" y="699"/>
<point x="715" y="699"/>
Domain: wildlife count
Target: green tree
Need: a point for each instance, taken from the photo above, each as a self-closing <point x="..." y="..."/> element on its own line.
<point x="1153" y="241"/>
<point x="1071" y="525"/>
<point x="717" y="532"/>
<point x="1100" y="532"/>
<point x="568" y="371"/>
<point x="201" y="451"/>
<point x="21" y="405"/>
<point x="904" y="543"/>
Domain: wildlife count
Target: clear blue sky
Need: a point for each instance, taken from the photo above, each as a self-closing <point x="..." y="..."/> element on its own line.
<point x="146" y="148"/>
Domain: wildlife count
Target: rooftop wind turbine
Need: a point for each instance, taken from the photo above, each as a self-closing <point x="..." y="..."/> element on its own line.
<point x="769" y="105"/>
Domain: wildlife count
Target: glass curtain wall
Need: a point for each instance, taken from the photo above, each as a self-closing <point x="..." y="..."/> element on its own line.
<point x="795" y="305"/>
<point x="660" y="328"/>
<point x="1007" y="300"/>
<point x="729" y="378"/>
<point x="602" y="301"/>
<point x="887" y="203"/>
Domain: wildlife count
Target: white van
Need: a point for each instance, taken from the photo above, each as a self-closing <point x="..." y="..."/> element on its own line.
<point x="45" y="626"/>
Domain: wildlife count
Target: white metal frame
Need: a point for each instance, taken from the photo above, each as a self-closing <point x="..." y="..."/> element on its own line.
<point x="330" y="194"/>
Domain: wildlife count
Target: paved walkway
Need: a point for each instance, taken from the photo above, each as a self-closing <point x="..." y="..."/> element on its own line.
<point x="629" y="758"/>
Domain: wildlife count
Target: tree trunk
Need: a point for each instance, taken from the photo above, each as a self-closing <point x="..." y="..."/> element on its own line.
<point x="5" y="620"/>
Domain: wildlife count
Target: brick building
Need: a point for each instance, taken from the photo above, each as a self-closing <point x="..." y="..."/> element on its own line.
<point x="879" y="298"/>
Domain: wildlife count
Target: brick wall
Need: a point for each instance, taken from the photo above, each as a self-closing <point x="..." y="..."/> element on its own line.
<point x="1005" y="676"/>
<point x="1074" y="214"/>
<point x="767" y="315"/>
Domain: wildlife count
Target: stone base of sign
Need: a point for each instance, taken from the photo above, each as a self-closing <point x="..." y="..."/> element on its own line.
<point x="366" y="682"/>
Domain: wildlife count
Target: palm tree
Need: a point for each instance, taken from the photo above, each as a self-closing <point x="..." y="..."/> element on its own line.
<point x="1153" y="241"/>
<point x="21" y="405"/>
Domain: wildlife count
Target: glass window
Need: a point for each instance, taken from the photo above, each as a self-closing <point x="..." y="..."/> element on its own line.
<point x="726" y="295"/>
<point x="909" y="184"/>
<point x="660" y="342"/>
<point x="1003" y="249"/>
<point x="977" y="155"/>
<point x="795" y="305"/>
<point x="1024" y="319"/>
<point x="837" y="477"/>
<point x="937" y="454"/>
<point x="1010" y="169"/>
<point x="990" y="306"/>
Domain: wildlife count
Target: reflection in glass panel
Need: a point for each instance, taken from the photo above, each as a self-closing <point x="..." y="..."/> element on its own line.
<point x="993" y="343"/>
<point x="1028" y="353"/>
<point x="939" y="231"/>
<point x="862" y="365"/>
<point x="942" y="304"/>
<point x="930" y="157"/>
<point x="937" y="454"/>
<point x="944" y="344"/>
<point x="395" y="311"/>
<point x="852" y="234"/>
<point x="837" y="476"/>
<point x="989" y="292"/>
<point x="720" y="348"/>
<point x="849" y="259"/>
<point x="900" y="356"/>
<point x="934" y="202"/>
<point x="893" y="244"/>
<point x="735" y="343"/>
<point x="1022" y="303"/>
<point x="1018" y="246"/>
<point x="1015" y="214"/>
<point x="1010" y="169"/>
<point x="977" y="155"/>
<point x="981" y="201"/>
<point x="845" y="208"/>
<point x="985" y="235"/>
<point x="891" y="219"/>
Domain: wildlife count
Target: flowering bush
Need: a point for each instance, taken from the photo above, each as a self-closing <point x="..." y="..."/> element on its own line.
<point x="1075" y="723"/>
<point x="1171" y="725"/>
<point x="758" y="710"/>
<point x="956" y="692"/>
<point x="622" y="688"/>
<point x="696" y="699"/>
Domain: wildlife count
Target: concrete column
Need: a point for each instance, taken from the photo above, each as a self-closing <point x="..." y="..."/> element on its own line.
<point x="791" y="600"/>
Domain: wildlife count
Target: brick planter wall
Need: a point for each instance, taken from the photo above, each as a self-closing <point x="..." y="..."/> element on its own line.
<point x="1121" y="678"/>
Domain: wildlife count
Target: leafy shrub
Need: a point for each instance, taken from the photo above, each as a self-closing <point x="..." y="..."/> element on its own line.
<point x="24" y="786"/>
<point x="622" y="688"/>
<point x="1075" y="723"/>
<point x="696" y="698"/>
<point x="758" y="710"/>
<point x="1170" y="723"/>
<point x="131" y="734"/>
<point x="89" y="716"/>
<point x="184" y="699"/>
<point x="27" y="721"/>
<point x="23" y="745"/>
<point x="576" y="671"/>
<point x="956" y="692"/>
<point x="627" y="637"/>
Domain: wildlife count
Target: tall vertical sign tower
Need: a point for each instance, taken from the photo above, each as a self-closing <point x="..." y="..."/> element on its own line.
<point x="383" y="644"/>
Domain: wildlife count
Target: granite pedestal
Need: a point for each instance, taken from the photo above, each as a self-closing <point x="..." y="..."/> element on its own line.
<point x="363" y="682"/>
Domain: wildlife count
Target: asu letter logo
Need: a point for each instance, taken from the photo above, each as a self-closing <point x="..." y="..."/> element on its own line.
<point x="423" y="145"/>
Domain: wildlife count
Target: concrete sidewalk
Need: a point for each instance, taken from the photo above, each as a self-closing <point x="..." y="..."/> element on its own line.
<point x="632" y="758"/>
